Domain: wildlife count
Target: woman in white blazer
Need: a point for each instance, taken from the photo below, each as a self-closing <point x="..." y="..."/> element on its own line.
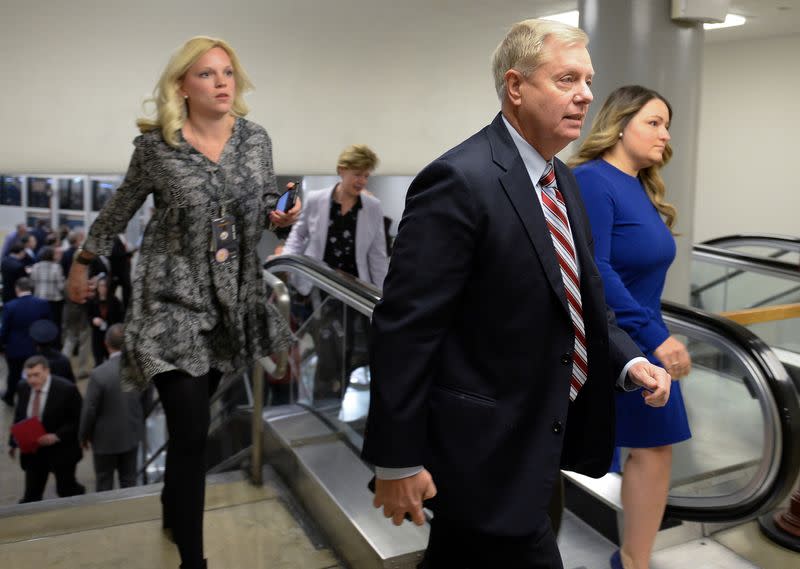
<point x="343" y="225"/>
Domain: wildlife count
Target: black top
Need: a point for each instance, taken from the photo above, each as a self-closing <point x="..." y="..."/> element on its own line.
<point x="340" y="248"/>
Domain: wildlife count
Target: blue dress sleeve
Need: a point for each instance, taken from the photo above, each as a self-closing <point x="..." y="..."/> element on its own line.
<point x="640" y="322"/>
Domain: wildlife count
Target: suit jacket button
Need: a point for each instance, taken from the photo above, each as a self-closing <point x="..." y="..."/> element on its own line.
<point x="557" y="427"/>
<point x="566" y="359"/>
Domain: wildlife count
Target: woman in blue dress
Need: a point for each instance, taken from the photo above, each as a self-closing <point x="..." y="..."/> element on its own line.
<point x="618" y="169"/>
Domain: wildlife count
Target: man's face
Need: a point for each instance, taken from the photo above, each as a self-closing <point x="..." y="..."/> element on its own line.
<point x="555" y="98"/>
<point x="36" y="376"/>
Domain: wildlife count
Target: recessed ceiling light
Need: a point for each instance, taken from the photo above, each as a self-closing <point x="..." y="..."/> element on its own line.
<point x="730" y="21"/>
<point x="570" y="18"/>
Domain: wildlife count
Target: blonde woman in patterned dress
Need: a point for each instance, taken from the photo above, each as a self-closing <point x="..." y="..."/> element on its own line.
<point x="199" y="310"/>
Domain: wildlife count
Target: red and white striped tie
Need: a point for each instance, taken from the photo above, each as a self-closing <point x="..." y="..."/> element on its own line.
<point x="555" y="212"/>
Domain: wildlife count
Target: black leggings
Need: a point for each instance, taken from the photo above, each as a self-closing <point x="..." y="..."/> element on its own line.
<point x="185" y="400"/>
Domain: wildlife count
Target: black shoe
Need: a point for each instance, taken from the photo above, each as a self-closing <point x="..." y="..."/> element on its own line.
<point x="202" y="565"/>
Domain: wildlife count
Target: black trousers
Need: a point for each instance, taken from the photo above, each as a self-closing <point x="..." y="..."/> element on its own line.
<point x="451" y="546"/>
<point x="185" y="400"/>
<point x="123" y="463"/>
<point x="36" y="480"/>
<point x="15" y="366"/>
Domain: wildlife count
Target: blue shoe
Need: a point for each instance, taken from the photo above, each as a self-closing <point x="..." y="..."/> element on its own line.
<point x="616" y="560"/>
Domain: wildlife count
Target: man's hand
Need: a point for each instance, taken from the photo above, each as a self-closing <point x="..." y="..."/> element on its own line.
<point x="655" y="381"/>
<point x="404" y="495"/>
<point x="47" y="440"/>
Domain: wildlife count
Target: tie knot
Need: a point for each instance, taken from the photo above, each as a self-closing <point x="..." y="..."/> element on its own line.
<point x="548" y="178"/>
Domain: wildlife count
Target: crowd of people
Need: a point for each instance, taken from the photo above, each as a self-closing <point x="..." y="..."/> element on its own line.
<point x="471" y="413"/>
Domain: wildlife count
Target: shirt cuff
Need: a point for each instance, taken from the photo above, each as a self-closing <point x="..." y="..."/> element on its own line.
<point x="396" y="473"/>
<point x="623" y="380"/>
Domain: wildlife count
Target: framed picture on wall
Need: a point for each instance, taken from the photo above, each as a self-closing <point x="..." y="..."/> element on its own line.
<point x="39" y="192"/>
<point x="10" y="190"/>
<point x="70" y="193"/>
<point x="72" y="221"/>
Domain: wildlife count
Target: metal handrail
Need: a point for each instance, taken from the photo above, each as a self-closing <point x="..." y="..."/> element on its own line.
<point x="283" y="302"/>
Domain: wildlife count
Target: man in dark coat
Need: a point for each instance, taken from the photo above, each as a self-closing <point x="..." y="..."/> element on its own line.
<point x="15" y="339"/>
<point x="57" y="404"/>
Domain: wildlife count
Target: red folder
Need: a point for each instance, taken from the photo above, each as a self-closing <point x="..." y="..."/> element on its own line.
<point x="27" y="433"/>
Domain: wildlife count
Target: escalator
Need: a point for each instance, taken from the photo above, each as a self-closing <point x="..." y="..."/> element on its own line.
<point x="744" y="409"/>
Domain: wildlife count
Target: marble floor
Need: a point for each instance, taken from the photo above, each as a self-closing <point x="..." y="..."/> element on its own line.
<point x="245" y="526"/>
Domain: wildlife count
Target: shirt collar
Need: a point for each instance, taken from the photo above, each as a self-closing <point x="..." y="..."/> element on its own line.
<point x="355" y="207"/>
<point x="534" y="163"/>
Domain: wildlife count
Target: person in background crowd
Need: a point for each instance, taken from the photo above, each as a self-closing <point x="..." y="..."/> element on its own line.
<point x="112" y="420"/>
<point x="48" y="282"/>
<point x="41" y="232"/>
<point x="14" y="237"/>
<point x="473" y="406"/>
<point x="75" y="329"/>
<point x="120" y="265"/>
<point x="15" y="339"/>
<point x="44" y="334"/>
<point x="196" y="314"/>
<point x="57" y="404"/>
<point x="103" y="310"/>
<point x="12" y="269"/>
<point x="618" y="167"/>
<point x="29" y="243"/>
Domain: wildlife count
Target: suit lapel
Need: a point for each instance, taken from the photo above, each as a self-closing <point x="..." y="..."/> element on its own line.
<point x="324" y="220"/>
<point x="576" y="220"/>
<point x="518" y="187"/>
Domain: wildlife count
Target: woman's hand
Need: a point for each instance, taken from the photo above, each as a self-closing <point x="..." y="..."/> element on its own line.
<point x="287" y="218"/>
<point x="673" y="354"/>
<point x="79" y="287"/>
<point x="97" y="322"/>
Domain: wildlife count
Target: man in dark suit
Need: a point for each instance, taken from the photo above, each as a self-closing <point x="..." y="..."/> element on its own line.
<point x="13" y="268"/>
<point x="57" y="403"/>
<point x="494" y="358"/>
<point x="15" y="339"/>
<point x="112" y="420"/>
<point x="44" y="334"/>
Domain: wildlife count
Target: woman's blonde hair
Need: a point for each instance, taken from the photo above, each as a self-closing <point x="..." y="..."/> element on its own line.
<point x="357" y="157"/>
<point x="617" y="111"/>
<point x="521" y="49"/>
<point x="171" y="109"/>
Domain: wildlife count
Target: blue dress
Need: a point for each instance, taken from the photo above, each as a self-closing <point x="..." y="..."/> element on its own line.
<point x="633" y="250"/>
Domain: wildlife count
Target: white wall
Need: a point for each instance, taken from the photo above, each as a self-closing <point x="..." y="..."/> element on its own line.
<point x="748" y="140"/>
<point x="409" y="78"/>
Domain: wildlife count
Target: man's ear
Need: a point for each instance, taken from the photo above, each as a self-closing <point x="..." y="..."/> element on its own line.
<point x="513" y="86"/>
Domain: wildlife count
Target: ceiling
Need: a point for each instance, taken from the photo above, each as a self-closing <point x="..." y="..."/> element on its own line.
<point x="765" y="18"/>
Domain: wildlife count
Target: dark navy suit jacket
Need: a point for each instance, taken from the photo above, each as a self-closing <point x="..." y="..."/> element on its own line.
<point x="18" y="315"/>
<point x="472" y="341"/>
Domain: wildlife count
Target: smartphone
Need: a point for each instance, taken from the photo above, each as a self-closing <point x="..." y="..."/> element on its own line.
<point x="286" y="201"/>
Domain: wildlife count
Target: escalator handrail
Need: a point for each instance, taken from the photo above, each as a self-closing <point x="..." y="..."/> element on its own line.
<point x="758" y="239"/>
<point x="745" y="262"/>
<point x="787" y="403"/>
<point x="360" y="295"/>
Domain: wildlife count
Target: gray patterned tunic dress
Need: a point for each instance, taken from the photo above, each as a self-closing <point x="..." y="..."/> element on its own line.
<point x="189" y="312"/>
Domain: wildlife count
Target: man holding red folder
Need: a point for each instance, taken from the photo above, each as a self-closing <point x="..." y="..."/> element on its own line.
<point x="53" y="438"/>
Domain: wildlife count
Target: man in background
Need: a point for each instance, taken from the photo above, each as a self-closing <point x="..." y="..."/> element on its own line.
<point x="112" y="420"/>
<point x="15" y="340"/>
<point x="57" y="404"/>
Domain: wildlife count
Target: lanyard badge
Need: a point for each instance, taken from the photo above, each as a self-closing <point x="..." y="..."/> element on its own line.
<point x="224" y="241"/>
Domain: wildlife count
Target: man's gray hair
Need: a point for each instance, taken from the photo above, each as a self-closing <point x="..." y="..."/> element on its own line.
<point x="521" y="49"/>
